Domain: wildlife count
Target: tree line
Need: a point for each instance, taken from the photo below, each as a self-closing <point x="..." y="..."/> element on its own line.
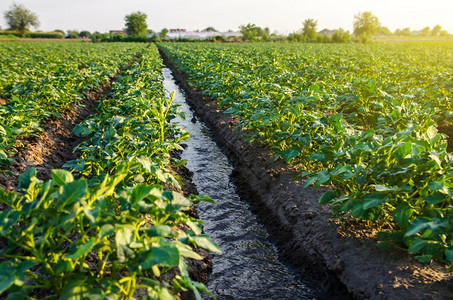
<point x="365" y="26"/>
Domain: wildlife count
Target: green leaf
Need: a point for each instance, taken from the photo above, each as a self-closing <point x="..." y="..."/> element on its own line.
<point x="205" y="242"/>
<point x="384" y="188"/>
<point x="373" y="200"/>
<point x="437" y="160"/>
<point x="146" y="163"/>
<point x="416" y="226"/>
<point x="13" y="273"/>
<point x="64" y="266"/>
<point x="449" y="254"/>
<point x="140" y="192"/>
<point x="76" y="251"/>
<point x="385" y="245"/>
<point x="323" y="177"/>
<point x="160" y="230"/>
<point x="186" y="251"/>
<point x="310" y="181"/>
<point x="230" y="111"/>
<point x="180" y="200"/>
<point x="405" y="149"/>
<point x="123" y="238"/>
<point x="402" y="215"/>
<point x="61" y="177"/>
<point x="305" y="140"/>
<point x="289" y="154"/>
<point x="77" y="165"/>
<point x="105" y="231"/>
<point x="18" y="293"/>
<point x="436" y="198"/>
<point x="162" y="256"/>
<point x="431" y="132"/>
<point x="197" y="229"/>
<point x="328" y="196"/>
<point x="5" y="130"/>
<point x="73" y="192"/>
<point x="75" y="290"/>
<point x="317" y="156"/>
<point x="417" y="245"/>
<point x="424" y="258"/>
<point x="25" y="179"/>
<point x="435" y="186"/>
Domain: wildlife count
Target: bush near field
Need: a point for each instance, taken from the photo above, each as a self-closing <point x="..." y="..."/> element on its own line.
<point x="33" y="35"/>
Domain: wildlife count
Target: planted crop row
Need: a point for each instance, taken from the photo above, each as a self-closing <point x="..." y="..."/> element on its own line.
<point x="110" y="226"/>
<point x="42" y="79"/>
<point x="361" y="118"/>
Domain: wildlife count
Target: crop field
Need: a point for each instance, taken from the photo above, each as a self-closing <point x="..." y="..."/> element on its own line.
<point x="108" y="224"/>
<point x="362" y="119"/>
<point x="41" y="80"/>
<point x="363" y="123"/>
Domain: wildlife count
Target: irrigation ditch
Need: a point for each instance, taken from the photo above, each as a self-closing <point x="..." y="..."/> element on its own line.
<point x="342" y="260"/>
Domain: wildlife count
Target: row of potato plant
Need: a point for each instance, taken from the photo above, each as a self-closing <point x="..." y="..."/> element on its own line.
<point x="361" y="118"/>
<point x="40" y="80"/>
<point x="109" y="225"/>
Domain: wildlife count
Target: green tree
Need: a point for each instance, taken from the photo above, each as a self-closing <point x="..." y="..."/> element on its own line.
<point x="19" y="18"/>
<point x="384" y="31"/>
<point x="309" y="29"/>
<point x="425" y="31"/>
<point x="341" y="36"/>
<point x="365" y="24"/>
<point x="136" y="24"/>
<point x="60" y="31"/>
<point x="85" y="34"/>
<point x="403" y="32"/>
<point x="163" y="33"/>
<point x="436" y="30"/>
<point x="72" y="34"/>
<point x="250" y="32"/>
<point x="210" y="29"/>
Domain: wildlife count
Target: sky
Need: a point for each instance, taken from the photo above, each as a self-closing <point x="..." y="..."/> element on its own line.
<point x="282" y="16"/>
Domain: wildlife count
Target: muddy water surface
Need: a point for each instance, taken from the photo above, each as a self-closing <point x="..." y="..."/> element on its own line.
<point x="249" y="266"/>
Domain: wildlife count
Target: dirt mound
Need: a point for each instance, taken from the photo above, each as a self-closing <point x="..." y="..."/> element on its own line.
<point x="341" y="257"/>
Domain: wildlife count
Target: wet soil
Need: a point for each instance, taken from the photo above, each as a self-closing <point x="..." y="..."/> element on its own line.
<point x="342" y="258"/>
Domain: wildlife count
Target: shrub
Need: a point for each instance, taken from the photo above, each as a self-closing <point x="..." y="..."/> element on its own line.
<point x="44" y="35"/>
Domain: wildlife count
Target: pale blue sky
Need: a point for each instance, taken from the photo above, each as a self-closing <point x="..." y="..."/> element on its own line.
<point x="284" y="16"/>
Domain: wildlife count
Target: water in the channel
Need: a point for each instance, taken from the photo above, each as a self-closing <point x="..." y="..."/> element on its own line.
<point x="249" y="266"/>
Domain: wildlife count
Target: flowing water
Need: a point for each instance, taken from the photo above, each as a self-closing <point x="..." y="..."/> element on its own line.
<point x="249" y="266"/>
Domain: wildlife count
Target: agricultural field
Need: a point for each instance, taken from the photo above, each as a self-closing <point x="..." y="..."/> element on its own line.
<point x="42" y="80"/>
<point x="109" y="224"/>
<point x="361" y="123"/>
<point x="362" y="119"/>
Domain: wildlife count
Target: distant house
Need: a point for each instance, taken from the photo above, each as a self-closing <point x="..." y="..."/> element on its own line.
<point x="202" y="35"/>
<point x="326" y="31"/>
<point x="122" y="32"/>
<point x="176" y="30"/>
<point x="417" y="33"/>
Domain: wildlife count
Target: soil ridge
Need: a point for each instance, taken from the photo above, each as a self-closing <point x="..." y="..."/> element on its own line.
<point x="343" y="257"/>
